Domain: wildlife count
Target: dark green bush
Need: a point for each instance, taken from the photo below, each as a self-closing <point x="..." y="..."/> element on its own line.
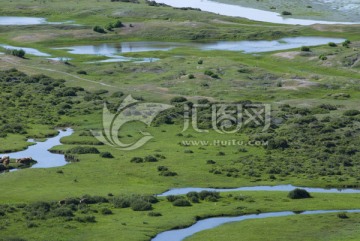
<point x="121" y="202"/>
<point x="351" y="112"/>
<point x="83" y="150"/>
<point x="106" y="155"/>
<point x="168" y="174"/>
<point x="137" y="160"/>
<point x="211" y="74"/>
<point x="178" y="99"/>
<point x="62" y="212"/>
<point x="150" y="159"/>
<point x="205" y="195"/>
<point x="299" y="194"/>
<point x="140" y="205"/>
<point x="305" y="49"/>
<point x="162" y="168"/>
<point x="343" y="215"/>
<point x="94" y="199"/>
<point x="118" y="24"/>
<point x="191" y="76"/>
<point x="154" y="214"/>
<point x="286" y="13"/>
<point x="83" y="72"/>
<point x="192" y="194"/>
<point x="99" y="29"/>
<point x="181" y="203"/>
<point x="86" y="219"/>
<point x="106" y="211"/>
<point x="18" y="53"/>
<point x="118" y="94"/>
<point x="172" y="198"/>
<point x="332" y="44"/>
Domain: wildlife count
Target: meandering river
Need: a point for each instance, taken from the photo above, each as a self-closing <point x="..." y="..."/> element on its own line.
<point x="210" y="223"/>
<point x="244" y="12"/>
<point x="40" y="151"/>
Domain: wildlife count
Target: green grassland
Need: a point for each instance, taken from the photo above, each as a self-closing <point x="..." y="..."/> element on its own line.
<point x="309" y="96"/>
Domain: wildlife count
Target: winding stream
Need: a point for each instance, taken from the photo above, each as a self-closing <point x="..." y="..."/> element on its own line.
<point x="210" y="223"/>
<point x="40" y="152"/>
<point x="244" y="12"/>
<point x="278" y="188"/>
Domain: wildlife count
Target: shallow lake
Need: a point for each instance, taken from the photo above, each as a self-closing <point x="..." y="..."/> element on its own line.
<point x="13" y="20"/>
<point x="244" y="12"/>
<point x="112" y="50"/>
<point x="210" y="223"/>
<point x="40" y="153"/>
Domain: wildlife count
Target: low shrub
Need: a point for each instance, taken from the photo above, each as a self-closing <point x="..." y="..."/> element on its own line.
<point x="137" y="160"/>
<point x="150" y="159"/>
<point x="342" y="215"/>
<point x="181" y="203"/>
<point x="18" y="53"/>
<point x="299" y="194"/>
<point x="172" y="198"/>
<point x="86" y="219"/>
<point x="62" y="212"/>
<point x="162" y="168"/>
<point x="83" y="150"/>
<point x="351" y="112"/>
<point x="99" y="29"/>
<point x="286" y="13"/>
<point x="106" y="155"/>
<point x="168" y="174"/>
<point x="206" y="195"/>
<point x="305" y="49"/>
<point x="332" y="44"/>
<point x="106" y="211"/>
<point x="154" y="214"/>
<point x="178" y="99"/>
<point x="117" y="94"/>
<point x="141" y="205"/>
<point x="83" y="72"/>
